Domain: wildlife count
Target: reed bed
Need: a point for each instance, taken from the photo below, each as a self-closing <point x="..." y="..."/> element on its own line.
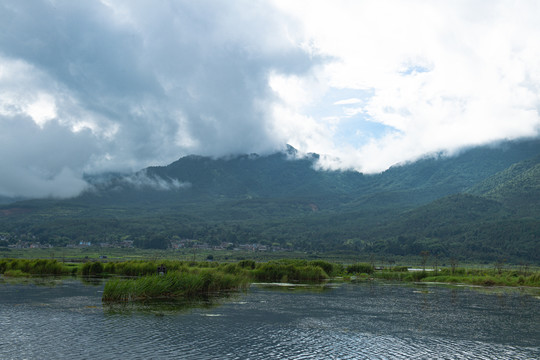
<point x="503" y="279"/>
<point x="360" y="268"/>
<point x="32" y="267"/>
<point x="483" y="277"/>
<point x="172" y="285"/>
<point x="273" y="272"/>
<point x="190" y="278"/>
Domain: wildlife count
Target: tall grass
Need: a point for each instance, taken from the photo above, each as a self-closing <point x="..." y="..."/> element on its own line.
<point x="483" y="277"/>
<point x="16" y="273"/>
<point x="505" y="278"/>
<point x="173" y="284"/>
<point x="286" y="270"/>
<point x="329" y="268"/>
<point x="33" y="267"/>
<point x="360" y="268"/>
<point x="142" y="268"/>
<point x="92" y="268"/>
<point x="275" y="271"/>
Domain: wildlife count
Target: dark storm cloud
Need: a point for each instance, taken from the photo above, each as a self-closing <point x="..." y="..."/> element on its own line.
<point x="44" y="161"/>
<point x="136" y="83"/>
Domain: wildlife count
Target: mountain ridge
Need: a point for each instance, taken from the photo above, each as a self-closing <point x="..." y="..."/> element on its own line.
<point x="479" y="204"/>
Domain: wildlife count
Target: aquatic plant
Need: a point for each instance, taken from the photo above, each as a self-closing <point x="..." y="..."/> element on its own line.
<point x="247" y="264"/>
<point x="508" y="278"/>
<point x="142" y="268"/>
<point x="92" y="268"/>
<point x="16" y="273"/>
<point x="173" y="284"/>
<point x="34" y="267"/>
<point x="275" y="271"/>
<point x="400" y="269"/>
<point x="329" y="268"/>
<point x="360" y="268"/>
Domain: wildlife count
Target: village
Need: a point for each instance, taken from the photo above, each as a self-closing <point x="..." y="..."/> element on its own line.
<point x="31" y="242"/>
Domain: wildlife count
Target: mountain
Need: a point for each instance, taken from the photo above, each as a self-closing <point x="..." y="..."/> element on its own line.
<point x="518" y="186"/>
<point x="9" y="200"/>
<point x="481" y="204"/>
<point x="499" y="215"/>
<point x="287" y="176"/>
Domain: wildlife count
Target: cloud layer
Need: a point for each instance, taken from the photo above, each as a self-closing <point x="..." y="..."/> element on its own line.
<point x="91" y="86"/>
<point x="433" y="75"/>
<point x="119" y="85"/>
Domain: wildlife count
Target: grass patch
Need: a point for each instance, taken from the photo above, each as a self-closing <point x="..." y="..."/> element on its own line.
<point x="34" y="267"/>
<point x="16" y="273"/>
<point x="172" y="285"/>
<point x="187" y="278"/>
<point x="360" y="268"/>
<point x="482" y="277"/>
<point x="503" y="279"/>
<point x="285" y="272"/>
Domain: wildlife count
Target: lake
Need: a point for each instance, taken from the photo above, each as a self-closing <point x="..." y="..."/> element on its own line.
<point x="65" y="319"/>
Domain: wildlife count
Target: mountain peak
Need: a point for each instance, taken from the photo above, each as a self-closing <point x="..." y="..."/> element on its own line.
<point x="291" y="150"/>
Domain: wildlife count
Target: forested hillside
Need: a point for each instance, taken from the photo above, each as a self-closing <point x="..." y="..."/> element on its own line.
<point x="481" y="204"/>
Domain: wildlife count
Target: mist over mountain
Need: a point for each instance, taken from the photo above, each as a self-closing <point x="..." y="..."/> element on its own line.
<point x="481" y="204"/>
<point x="289" y="174"/>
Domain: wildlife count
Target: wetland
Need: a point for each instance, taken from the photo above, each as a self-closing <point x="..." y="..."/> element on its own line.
<point x="65" y="317"/>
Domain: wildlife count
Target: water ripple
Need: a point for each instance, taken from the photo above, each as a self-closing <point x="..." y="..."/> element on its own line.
<point x="353" y="322"/>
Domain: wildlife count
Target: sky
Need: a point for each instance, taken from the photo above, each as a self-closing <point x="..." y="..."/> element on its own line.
<point x="118" y="85"/>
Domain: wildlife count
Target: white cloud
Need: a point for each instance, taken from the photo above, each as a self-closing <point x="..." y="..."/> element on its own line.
<point x="141" y="179"/>
<point x="443" y="75"/>
<point x="120" y="85"/>
<point x="348" y="101"/>
<point x="43" y="109"/>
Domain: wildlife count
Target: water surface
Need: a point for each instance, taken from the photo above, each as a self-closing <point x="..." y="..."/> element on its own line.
<point x="376" y="320"/>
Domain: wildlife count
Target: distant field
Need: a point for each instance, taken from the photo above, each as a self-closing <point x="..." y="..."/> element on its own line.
<point x="116" y="254"/>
